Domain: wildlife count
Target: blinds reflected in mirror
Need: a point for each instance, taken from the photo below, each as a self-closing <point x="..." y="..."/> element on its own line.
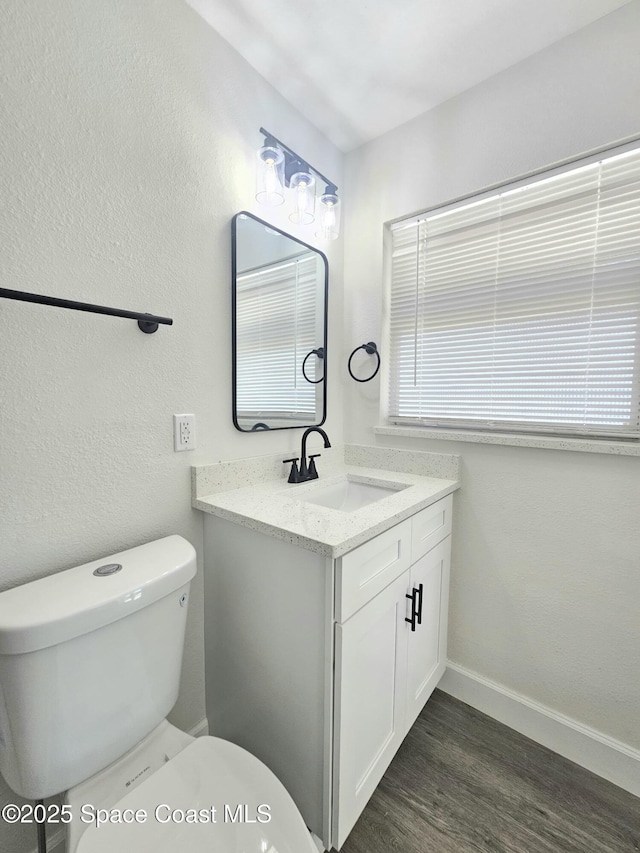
<point x="276" y="316"/>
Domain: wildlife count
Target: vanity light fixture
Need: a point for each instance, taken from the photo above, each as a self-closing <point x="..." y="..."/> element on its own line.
<point x="329" y="222"/>
<point x="303" y="192"/>
<point x="270" y="176"/>
<point x="283" y="173"/>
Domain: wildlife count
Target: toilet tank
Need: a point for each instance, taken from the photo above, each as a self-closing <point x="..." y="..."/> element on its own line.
<point x="90" y="663"/>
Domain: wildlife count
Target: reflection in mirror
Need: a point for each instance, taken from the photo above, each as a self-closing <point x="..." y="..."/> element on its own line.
<point x="279" y="328"/>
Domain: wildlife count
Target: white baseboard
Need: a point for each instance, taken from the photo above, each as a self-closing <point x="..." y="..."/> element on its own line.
<point x="55" y="842"/>
<point x="200" y="729"/>
<point x="609" y="758"/>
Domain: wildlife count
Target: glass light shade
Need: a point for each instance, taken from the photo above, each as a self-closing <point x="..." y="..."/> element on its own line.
<point x="303" y="198"/>
<point x="329" y="217"/>
<point x="270" y="176"/>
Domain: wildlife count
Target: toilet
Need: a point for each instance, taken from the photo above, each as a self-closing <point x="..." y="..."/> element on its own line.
<point x="90" y="663"/>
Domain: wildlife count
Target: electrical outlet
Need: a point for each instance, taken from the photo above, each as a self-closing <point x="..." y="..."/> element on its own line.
<point x="184" y="432"/>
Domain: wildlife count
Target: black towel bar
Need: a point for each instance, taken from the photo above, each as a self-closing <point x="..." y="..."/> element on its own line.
<point x="148" y="323"/>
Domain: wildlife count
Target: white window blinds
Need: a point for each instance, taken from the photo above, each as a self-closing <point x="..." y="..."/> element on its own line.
<point x="519" y="311"/>
<point x="276" y="312"/>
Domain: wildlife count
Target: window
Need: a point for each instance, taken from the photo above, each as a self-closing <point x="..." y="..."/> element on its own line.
<point x="519" y="310"/>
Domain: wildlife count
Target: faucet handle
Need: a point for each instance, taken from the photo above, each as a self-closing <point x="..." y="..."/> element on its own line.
<point x="294" y="474"/>
<point x="313" y="474"/>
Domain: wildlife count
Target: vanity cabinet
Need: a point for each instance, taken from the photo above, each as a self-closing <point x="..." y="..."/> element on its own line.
<point x="320" y="666"/>
<point x="389" y="654"/>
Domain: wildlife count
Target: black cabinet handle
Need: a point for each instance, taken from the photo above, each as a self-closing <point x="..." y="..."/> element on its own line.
<point x="416" y="607"/>
<point x="414" y="612"/>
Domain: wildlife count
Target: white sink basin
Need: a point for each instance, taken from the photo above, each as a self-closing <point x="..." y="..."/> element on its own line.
<point x="349" y="495"/>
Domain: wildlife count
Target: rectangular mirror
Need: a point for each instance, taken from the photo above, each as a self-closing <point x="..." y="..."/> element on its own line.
<point x="279" y="336"/>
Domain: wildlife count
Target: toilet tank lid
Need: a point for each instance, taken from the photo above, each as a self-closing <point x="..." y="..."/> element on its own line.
<point x="70" y="603"/>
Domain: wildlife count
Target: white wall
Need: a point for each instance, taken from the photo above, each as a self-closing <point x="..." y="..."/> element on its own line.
<point x="127" y="144"/>
<point x="546" y="575"/>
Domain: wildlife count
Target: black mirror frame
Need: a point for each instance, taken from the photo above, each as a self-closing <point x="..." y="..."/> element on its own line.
<point x="261" y="427"/>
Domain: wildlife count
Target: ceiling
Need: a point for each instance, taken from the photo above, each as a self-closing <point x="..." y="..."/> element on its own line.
<point x="357" y="68"/>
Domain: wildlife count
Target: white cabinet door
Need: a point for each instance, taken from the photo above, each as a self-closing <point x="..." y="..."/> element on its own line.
<point x="370" y="694"/>
<point x="427" y="651"/>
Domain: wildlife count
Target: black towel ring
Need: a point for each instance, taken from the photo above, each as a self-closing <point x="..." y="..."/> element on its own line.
<point x="371" y="349"/>
<point x="320" y="353"/>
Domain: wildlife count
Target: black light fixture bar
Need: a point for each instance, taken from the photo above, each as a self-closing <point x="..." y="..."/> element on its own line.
<point x="148" y="323"/>
<point x="269" y="137"/>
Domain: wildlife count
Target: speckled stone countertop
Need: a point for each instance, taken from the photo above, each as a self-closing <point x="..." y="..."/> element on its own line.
<point x="279" y="509"/>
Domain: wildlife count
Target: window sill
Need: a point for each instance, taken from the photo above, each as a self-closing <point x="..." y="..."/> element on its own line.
<point x="545" y="442"/>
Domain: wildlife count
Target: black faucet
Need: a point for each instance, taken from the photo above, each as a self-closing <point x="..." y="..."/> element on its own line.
<point x="307" y="469"/>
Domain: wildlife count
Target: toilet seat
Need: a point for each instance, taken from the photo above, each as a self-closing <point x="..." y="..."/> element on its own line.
<point x="177" y="802"/>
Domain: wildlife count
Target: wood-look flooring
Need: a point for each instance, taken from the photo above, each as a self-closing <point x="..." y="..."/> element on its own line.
<point x="462" y="782"/>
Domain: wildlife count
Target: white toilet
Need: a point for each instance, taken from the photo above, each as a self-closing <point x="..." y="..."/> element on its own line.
<point x="89" y="668"/>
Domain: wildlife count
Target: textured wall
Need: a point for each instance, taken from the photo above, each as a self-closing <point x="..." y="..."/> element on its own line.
<point x="546" y="574"/>
<point x="127" y="144"/>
